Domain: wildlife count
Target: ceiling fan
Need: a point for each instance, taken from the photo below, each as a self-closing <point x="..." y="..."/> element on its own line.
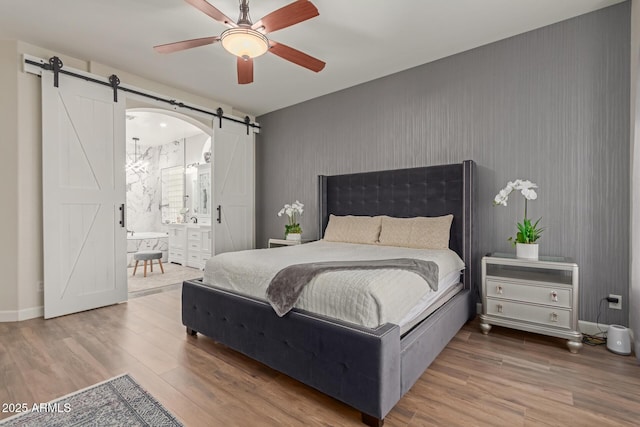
<point x="247" y="40"/>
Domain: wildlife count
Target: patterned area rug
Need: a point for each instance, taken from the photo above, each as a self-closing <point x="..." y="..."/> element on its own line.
<point x="119" y="401"/>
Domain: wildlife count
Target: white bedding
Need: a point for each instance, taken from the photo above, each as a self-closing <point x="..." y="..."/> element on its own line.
<point x="365" y="297"/>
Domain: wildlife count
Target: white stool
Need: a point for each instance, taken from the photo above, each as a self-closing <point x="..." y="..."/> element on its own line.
<point x="147" y="256"/>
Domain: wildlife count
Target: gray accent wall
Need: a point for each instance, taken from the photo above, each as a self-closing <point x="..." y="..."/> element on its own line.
<point x="550" y="105"/>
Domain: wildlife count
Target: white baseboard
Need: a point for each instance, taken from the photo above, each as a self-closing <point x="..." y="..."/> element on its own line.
<point x="24" y="314"/>
<point x="591" y="328"/>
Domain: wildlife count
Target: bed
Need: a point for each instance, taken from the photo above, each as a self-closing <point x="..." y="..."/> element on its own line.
<point x="367" y="368"/>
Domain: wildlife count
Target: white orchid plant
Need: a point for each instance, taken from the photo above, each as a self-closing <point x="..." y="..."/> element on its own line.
<point x="528" y="232"/>
<point x="292" y="210"/>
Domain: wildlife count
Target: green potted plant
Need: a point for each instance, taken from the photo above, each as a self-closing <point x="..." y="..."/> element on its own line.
<point x="292" y="230"/>
<point x="528" y="232"/>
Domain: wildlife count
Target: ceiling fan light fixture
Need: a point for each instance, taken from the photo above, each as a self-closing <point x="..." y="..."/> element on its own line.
<point x="244" y="42"/>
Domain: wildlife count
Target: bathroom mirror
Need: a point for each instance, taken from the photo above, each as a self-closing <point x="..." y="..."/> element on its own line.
<point x="204" y="192"/>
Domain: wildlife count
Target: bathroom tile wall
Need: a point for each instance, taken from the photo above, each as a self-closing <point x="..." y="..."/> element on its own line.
<point x="144" y="188"/>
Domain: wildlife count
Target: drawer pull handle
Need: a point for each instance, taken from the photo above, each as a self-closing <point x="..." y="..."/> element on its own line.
<point x="554" y="296"/>
<point x="499" y="290"/>
<point x="499" y="308"/>
<point x="554" y="317"/>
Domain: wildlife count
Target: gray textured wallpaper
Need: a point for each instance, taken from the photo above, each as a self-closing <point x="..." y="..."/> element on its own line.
<point x="550" y="105"/>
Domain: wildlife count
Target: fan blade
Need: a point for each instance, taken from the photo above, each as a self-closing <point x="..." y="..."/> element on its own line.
<point x="245" y="70"/>
<point x="287" y="16"/>
<point x="206" y="8"/>
<point x="295" y="56"/>
<point x="186" y="44"/>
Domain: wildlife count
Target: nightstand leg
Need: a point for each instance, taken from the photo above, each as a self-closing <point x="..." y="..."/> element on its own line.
<point x="485" y="328"/>
<point x="574" y="346"/>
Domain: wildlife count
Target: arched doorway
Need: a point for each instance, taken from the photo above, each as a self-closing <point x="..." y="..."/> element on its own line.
<point x="164" y="152"/>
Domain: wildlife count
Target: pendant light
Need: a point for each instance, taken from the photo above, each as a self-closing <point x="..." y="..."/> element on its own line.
<point x="137" y="166"/>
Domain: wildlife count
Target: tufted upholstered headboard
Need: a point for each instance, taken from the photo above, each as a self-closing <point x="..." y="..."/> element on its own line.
<point x="404" y="193"/>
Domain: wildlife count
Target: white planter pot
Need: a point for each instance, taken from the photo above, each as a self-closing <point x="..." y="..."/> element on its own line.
<point x="527" y="250"/>
<point x="294" y="236"/>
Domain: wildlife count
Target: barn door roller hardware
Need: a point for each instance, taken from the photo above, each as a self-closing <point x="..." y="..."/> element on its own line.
<point x="55" y="65"/>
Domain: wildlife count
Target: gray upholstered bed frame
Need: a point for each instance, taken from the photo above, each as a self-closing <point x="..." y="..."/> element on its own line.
<point x="368" y="369"/>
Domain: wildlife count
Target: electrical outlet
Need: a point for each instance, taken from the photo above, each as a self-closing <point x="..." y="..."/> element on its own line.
<point x="618" y="305"/>
<point x="40" y="286"/>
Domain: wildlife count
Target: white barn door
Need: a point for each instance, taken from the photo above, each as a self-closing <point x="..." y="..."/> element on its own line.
<point x="83" y="159"/>
<point x="233" y="187"/>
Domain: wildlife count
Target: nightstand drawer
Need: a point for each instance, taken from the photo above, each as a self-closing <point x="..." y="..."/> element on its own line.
<point x="554" y="296"/>
<point x="550" y="316"/>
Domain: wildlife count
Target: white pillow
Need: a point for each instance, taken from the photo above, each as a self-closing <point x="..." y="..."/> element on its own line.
<point x="418" y="232"/>
<point x="353" y="229"/>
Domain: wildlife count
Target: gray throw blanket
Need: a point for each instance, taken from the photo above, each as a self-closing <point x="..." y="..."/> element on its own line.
<point x="287" y="285"/>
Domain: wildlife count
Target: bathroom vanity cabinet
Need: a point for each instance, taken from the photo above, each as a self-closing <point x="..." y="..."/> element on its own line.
<point x="190" y="244"/>
<point x="178" y="243"/>
<point x="198" y="245"/>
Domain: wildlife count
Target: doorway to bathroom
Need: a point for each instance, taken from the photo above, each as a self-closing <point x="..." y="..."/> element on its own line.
<point x="168" y="197"/>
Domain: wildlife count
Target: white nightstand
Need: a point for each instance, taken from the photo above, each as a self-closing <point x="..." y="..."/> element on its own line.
<point x="276" y="243"/>
<point x="535" y="296"/>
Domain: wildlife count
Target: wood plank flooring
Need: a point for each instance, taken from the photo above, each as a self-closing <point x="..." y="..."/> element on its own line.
<point x="508" y="378"/>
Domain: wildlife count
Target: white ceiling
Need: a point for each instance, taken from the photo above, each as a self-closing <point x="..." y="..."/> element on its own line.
<point x="157" y="129"/>
<point x="360" y="40"/>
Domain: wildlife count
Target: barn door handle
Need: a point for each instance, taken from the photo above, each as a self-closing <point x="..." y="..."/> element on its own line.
<point x="219" y="209"/>
<point x="121" y="222"/>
